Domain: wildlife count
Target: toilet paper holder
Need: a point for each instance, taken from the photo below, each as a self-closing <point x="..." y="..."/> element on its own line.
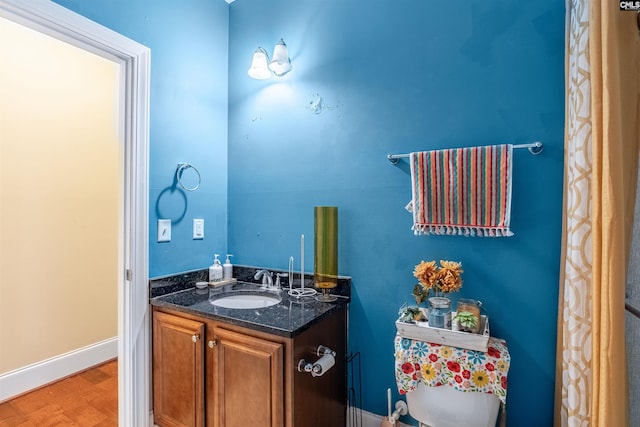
<point x="320" y="366"/>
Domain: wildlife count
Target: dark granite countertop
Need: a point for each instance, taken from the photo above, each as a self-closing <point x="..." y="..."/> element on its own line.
<point x="288" y="318"/>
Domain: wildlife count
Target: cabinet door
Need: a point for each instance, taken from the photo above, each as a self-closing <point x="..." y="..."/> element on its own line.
<point x="178" y="375"/>
<point x="247" y="380"/>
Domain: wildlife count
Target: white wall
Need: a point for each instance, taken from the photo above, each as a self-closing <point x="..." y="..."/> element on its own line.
<point x="60" y="198"/>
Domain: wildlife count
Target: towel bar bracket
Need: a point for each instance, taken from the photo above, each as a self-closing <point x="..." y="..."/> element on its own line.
<point x="394" y="158"/>
<point x="535" y="148"/>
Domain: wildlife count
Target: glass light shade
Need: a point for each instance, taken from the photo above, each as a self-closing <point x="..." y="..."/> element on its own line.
<point x="259" y="65"/>
<point x="280" y="64"/>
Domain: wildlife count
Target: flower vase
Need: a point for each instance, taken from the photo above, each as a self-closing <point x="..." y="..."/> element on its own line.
<point x="325" y="265"/>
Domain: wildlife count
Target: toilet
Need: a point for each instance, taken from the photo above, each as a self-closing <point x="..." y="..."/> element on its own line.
<point x="445" y="406"/>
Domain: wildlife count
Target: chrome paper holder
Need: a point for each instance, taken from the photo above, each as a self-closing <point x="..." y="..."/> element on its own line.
<point x="316" y="369"/>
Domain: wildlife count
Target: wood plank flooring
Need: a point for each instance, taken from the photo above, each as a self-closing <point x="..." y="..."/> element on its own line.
<point x="88" y="399"/>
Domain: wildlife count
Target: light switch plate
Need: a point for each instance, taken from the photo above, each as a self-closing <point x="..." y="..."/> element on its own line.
<point x="198" y="228"/>
<point x="164" y="230"/>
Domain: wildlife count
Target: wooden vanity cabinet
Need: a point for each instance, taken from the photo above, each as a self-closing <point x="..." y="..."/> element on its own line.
<point x="251" y="377"/>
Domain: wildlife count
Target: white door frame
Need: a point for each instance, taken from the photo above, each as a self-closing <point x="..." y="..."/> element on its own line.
<point x="133" y="296"/>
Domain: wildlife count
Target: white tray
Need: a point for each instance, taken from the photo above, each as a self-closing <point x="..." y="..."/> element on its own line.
<point x="423" y="332"/>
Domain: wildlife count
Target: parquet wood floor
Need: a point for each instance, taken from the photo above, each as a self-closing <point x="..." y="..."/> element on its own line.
<point x="87" y="399"/>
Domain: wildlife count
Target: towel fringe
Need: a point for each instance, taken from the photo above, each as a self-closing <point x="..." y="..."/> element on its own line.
<point x="450" y="230"/>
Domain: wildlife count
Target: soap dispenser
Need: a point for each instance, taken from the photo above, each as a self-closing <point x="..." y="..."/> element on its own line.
<point x="215" y="271"/>
<point x="227" y="268"/>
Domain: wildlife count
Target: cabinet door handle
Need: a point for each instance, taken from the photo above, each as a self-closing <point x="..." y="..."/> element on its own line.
<point x="212" y="343"/>
<point x="195" y="337"/>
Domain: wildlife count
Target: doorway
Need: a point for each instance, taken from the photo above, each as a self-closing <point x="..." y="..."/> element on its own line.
<point x="74" y="186"/>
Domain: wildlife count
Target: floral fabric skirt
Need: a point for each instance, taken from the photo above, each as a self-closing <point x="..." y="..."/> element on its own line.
<point x="462" y="369"/>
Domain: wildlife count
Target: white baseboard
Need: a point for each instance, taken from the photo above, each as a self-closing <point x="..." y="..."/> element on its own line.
<point x="22" y="380"/>
<point x="370" y="420"/>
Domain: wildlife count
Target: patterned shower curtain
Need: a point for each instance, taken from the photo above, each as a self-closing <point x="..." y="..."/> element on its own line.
<point x="601" y="161"/>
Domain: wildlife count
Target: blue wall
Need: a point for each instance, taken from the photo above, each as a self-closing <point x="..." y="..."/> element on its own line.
<point x="395" y="76"/>
<point x="188" y="117"/>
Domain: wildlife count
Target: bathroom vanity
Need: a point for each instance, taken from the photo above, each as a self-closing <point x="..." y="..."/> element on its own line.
<point x="228" y="367"/>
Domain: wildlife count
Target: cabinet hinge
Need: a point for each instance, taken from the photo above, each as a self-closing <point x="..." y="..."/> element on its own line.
<point x="127" y="275"/>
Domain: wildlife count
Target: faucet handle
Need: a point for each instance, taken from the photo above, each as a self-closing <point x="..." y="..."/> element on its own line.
<point x="278" y="276"/>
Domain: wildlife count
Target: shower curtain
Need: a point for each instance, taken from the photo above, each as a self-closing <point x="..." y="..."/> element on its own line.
<point x="601" y="162"/>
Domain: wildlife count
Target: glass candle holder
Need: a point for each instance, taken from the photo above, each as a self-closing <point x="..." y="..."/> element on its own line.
<point x="470" y="306"/>
<point x="440" y="312"/>
<point x="325" y="266"/>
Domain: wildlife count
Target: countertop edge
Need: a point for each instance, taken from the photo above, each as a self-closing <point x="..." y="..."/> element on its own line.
<point x="157" y="302"/>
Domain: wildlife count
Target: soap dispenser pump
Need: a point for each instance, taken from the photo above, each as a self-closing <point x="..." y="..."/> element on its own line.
<point x="215" y="271"/>
<point x="227" y="268"/>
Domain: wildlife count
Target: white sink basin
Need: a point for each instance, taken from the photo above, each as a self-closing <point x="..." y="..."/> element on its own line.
<point x="246" y="301"/>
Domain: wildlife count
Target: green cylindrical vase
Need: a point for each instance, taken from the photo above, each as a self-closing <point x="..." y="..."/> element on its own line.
<point x="325" y="266"/>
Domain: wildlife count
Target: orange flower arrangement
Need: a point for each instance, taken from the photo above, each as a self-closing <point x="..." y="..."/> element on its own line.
<point x="446" y="278"/>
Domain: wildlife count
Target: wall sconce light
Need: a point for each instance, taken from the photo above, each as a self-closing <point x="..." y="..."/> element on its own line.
<point x="280" y="64"/>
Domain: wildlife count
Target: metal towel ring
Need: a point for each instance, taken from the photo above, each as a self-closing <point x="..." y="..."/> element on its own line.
<point x="181" y="168"/>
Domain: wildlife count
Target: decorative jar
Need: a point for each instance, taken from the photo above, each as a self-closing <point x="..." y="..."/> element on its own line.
<point x="471" y="308"/>
<point x="440" y="312"/>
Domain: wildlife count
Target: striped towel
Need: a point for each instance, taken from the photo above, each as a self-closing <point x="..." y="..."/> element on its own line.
<point x="462" y="191"/>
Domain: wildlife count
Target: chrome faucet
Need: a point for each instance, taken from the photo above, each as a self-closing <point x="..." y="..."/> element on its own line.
<point x="267" y="278"/>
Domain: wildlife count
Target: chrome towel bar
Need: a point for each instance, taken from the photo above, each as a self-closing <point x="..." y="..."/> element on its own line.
<point x="534" y="148"/>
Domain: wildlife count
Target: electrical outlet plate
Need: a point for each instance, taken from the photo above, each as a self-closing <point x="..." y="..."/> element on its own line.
<point x="198" y="228"/>
<point x="164" y="230"/>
